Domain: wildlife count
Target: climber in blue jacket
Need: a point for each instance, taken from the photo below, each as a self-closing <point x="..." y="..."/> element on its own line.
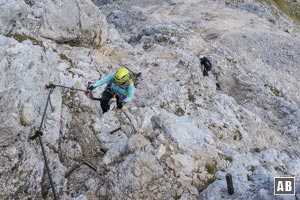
<point x="120" y="85"/>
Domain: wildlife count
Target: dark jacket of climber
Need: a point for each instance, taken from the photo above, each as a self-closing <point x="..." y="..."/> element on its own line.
<point x="206" y="65"/>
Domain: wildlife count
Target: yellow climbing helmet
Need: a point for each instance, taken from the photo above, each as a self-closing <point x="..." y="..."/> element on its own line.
<point x="122" y="75"/>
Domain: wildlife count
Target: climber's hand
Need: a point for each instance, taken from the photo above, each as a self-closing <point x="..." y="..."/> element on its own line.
<point x="121" y="105"/>
<point x="88" y="94"/>
<point x="90" y="88"/>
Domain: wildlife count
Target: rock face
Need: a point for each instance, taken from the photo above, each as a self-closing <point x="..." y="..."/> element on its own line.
<point x="77" y="22"/>
<point x="138" y="169"/>
<point x="181" y="134"/>
<point x="25" y="77"/>
<point x="73" y="22"/>
<point x="189" y="136"/>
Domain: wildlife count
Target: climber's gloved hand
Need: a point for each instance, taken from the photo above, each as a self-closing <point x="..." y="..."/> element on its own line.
<point x="90" y="87"/>
<point x="120" y="106"/>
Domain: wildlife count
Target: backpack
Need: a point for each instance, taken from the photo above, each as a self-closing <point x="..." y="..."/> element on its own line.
<point x="207" y="63"/>
<point x="133" y="77"/>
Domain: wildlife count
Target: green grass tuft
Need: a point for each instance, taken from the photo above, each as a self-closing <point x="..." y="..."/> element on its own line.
<point x="179" y="111"/>
<point x="29" y="2"/>
<point x="252" y="169"/>
<point x="66" y="58"/>
<point x="273" y="89"/>
<point x="211" y="168"/>
<point x="162" y="39"/>
<point x="237" y="135"/>
<point x="191" y="97"/>
<point x="228" y="158"/>
<point x="20" y="38"/>
<point x="211" y="180"/>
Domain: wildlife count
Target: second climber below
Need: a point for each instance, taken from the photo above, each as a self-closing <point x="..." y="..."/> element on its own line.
<point x="120" y="85"/>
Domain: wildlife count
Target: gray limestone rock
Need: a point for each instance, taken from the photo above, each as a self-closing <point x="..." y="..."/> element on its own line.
<point x="28" y="114"/>
<point x="137" y="142"/>
<point x="181" y="163"/>
<point x="137" y="170"/>
<point x="190" y="134"/>
<point x="73" y="22"/>
<point x="189" y="137"/>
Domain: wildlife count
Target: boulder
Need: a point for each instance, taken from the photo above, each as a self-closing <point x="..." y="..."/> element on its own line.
<point x="28" y="114"/>
<point x="182" y="164"/>
<point x="138" y="142"/>
<point x="137" y="170"/>
<point x="73" y="22"/>
<point x="185" y="131"/>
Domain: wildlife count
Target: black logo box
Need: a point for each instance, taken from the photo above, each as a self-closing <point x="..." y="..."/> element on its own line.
<point x="284" y="185"/>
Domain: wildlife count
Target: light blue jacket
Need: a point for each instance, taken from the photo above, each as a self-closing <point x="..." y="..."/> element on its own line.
<point x="123" y="92"/>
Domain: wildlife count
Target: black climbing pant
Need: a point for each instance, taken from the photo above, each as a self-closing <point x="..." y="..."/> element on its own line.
<point x="106" y="97"/>
<point x="205" y="73"/>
